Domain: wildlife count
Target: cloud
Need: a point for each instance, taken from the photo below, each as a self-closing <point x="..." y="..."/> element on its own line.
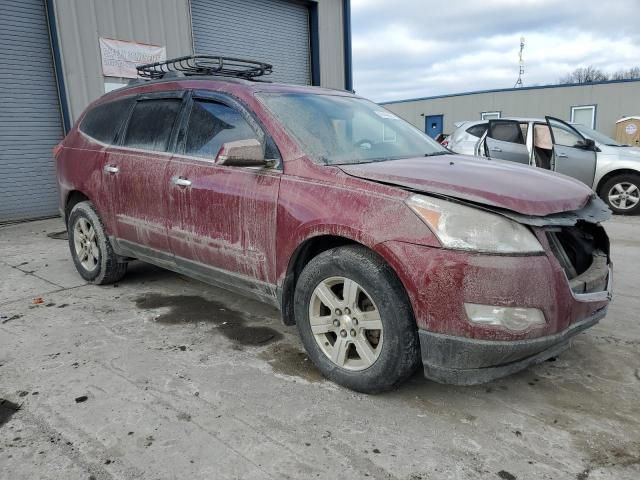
<point x="411" y="48"/>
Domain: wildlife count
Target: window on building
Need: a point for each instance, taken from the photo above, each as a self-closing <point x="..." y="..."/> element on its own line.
<point x="490" y="115"/>
<point x="211" y="124"/>
<point x="104" y="121"/>
<point x="584" y="115"/>
<point x="151" y="124"/>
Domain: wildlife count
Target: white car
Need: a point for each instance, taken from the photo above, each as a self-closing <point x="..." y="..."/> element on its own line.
<point x="610" y="168"/>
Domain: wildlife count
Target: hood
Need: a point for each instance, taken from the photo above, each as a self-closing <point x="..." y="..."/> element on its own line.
<point x="625" y="153"/>
<point x="507" y="185"/>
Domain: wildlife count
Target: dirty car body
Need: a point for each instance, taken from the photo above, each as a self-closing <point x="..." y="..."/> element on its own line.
<point x="500" y="264"/>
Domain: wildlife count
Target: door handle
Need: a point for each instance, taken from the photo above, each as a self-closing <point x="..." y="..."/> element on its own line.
<point x="495" y="149"/>
<point x="563" y="155"/>
<point x="181" y="182"/>
<point x="112" y="169"/>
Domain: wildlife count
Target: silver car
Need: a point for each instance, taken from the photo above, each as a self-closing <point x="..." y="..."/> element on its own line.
<point x="610" y="168"/>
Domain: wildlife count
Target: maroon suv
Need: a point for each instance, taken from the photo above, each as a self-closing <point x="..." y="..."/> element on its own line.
<point x="381" y="246"/>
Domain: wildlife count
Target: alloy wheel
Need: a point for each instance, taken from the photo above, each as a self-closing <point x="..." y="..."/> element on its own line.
<point x="86" y="244"/>
<point x="624" y="195"/>
<point x="346" y="323"/>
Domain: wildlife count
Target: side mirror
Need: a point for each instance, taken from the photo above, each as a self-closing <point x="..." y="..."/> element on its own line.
<point x="587" y="144"/>
<point x="242" y="153"/>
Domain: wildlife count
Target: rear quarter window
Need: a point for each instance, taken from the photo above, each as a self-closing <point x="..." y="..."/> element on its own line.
<point x="104" y="121"/>
<point x="478" y="130"/>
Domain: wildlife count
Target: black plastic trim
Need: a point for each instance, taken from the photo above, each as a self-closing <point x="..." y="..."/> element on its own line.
<point x="468" y="361"/>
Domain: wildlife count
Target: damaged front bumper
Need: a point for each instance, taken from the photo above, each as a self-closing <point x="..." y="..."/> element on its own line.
<point x="570" y="284"/>
<point x="468" y="361"/>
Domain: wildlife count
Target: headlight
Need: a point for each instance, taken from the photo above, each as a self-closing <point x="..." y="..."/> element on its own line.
<point x="466" y="228"/>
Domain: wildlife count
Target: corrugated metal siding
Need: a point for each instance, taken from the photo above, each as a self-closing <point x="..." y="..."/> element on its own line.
<point x="81" y="22"/>
<point x="30" y="121"/>
<point x="612" y="100"/>
<point x="272" y="31"/>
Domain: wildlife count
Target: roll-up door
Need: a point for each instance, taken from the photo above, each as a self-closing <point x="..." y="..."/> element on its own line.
<point x="30" y="121"/>
<point x="272" y="31"/>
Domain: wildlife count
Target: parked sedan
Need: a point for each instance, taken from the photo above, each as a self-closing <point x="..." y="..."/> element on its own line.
<point x="386" y="250"/>
<point x="610" y="168"/>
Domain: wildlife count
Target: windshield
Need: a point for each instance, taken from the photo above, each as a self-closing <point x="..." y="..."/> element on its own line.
<point x="597" y="136"/>
<point x="336" y="130"/>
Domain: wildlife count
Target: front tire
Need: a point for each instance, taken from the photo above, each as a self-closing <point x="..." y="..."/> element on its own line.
<point x="622" y="194"/>
<point x="90" y="247"/>
<point x="355" y="320"/>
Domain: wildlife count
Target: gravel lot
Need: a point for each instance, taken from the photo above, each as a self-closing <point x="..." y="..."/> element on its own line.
<point x="161" y="376"/>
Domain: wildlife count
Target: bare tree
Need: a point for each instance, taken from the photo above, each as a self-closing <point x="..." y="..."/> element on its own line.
<point x="626" y="74"/>
<point x="585" y="75"/>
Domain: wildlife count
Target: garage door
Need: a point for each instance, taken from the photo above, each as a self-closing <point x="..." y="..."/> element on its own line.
<point x="273" y="31"/>
<point x="30" y="123"/>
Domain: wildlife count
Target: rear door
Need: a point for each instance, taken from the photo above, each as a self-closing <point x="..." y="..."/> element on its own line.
<point x="137" y="172"/>
<point x="571" y="155"/>
<point x="505" y="140"/>
<point x="222" y="218"/>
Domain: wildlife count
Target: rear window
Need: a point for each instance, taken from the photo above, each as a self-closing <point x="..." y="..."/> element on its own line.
<point x="104" y="121"/>
<point x="478" y="130"/>
<point x="151" y="124"/>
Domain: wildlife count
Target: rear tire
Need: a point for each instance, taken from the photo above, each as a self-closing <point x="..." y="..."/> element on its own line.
<point x="355" y="320"/>
<point x="90" y="247"/>
<point x="622" y="194"/>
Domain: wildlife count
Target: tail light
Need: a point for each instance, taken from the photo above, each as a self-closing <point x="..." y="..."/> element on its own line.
<point x="57" y="149"/>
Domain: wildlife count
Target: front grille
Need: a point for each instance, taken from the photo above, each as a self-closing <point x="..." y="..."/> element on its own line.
<point x="583" y="253"/>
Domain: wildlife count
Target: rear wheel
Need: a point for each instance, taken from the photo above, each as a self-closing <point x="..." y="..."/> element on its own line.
<point x="355" y="320"/>
<point x="90" y="247"/>
<point x="622" y="194"/>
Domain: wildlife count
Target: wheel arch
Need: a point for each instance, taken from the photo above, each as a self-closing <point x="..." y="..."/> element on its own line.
<point x="614" y="173"/>
<point x="73" y="198"/>
<point x="300" y="257"/>
<point x="304" y="253"/>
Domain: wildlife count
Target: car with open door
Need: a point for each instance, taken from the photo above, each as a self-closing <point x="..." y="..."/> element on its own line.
<point x="609" y="168"/>
<point x="386" y="250"/>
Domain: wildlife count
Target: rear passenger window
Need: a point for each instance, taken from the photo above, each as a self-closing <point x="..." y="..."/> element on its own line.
<point x="478" y="130"/>
<point x="104" y="121"/>
<point x="151" y="124"/>
<point x="210" y="125"/>
<point x="506" y="132"/>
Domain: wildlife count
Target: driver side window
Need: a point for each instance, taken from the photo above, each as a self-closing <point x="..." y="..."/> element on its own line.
<point x="564" y="135"/>
<point x="211" y="124"/>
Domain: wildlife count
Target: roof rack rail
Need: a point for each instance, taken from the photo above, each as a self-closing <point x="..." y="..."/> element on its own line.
<point x="205" y="65"/>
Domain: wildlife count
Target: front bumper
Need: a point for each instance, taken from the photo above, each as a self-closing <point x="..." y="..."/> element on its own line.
<point x="454" y="350"/>
<point x="468" y="361"/>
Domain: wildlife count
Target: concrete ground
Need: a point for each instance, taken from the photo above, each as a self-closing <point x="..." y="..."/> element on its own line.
<point x="160" y="376"/>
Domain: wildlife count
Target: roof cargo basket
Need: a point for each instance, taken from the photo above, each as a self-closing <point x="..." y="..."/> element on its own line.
<point x="196" y="65"/>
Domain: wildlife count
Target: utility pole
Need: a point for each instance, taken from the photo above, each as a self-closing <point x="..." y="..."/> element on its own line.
<point x="519" y="81"/>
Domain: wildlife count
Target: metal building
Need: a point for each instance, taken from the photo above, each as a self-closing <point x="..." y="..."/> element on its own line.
<point x="51" y="66"/>
<point x="597" y="105"/>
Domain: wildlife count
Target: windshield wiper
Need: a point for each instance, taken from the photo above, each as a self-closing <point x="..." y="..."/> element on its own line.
<point x="435" y="154"/>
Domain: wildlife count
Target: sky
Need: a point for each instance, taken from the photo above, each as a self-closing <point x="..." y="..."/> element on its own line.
<point x="416" y="48"/>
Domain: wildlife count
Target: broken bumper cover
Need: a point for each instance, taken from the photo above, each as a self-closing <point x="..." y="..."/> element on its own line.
<point x="468" y="361"/>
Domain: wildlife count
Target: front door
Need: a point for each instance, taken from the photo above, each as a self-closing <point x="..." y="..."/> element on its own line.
<point x="137" y="173"/>
<point x="222" y="218"/>
<point x="505" y="140"/>
<point x="433" y="125"/>
<point x="572" y="154"/>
